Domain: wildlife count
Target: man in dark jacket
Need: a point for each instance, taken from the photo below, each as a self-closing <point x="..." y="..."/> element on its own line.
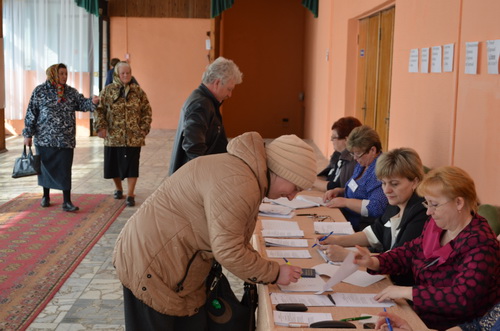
<point x="200" y="130"/>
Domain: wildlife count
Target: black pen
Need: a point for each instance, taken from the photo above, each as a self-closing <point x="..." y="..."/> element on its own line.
<point x="331" y="299"/>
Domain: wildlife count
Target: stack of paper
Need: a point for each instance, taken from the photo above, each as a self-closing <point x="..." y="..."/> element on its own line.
<point x="275" y="242"/>
<point x="336" y="227"/>
<point x="318" y="201"/>
<point x="330" y="300"/>
<point x="293" y="319"/>
<point x="294" y="204"/>
<point x="288" y="253"/>
<point x="273" y="210"/>
<point x="275" y="228"/>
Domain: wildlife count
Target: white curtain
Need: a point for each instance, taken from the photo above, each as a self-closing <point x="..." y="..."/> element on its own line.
<point x="40" y="33"/>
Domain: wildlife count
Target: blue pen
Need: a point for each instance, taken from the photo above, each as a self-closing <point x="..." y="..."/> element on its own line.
<point x="321" y="239"/>
<point x="388" y="321"/>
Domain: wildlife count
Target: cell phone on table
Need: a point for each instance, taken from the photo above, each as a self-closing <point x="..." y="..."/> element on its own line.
<point x="308" y="273"/>
<point x="369" y="326"/>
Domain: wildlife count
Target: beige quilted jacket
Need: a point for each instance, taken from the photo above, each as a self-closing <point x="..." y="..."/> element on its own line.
<point x="206" y="209"/>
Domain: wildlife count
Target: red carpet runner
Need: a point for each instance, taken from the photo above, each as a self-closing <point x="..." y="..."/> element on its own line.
<point x="41" y="247"/>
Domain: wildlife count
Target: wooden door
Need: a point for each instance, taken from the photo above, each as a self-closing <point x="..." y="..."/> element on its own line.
<point x="374" y="72"/>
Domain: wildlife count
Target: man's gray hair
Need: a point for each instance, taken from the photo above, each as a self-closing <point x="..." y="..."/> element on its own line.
<point x="222" y="69"/>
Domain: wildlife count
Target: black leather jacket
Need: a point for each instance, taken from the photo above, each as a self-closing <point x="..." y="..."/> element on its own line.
<point x="200" y="130"/>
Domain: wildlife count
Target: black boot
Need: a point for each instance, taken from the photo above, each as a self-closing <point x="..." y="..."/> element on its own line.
<point x="68" y="206"/>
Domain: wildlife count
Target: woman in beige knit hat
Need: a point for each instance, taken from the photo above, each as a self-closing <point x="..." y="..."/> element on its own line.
<point x="206" y="211"/>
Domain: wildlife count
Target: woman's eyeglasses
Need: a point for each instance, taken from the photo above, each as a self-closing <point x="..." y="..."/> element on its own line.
<point x="432" y="206"/>
<point x="317" y="218"/>
<point x="357" y="156"/>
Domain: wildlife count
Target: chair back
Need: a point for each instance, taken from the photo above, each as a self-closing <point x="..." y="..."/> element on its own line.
<point x="492" y="215"/>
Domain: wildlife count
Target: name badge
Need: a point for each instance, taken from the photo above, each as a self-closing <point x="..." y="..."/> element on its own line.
<point x="353" y="185"/>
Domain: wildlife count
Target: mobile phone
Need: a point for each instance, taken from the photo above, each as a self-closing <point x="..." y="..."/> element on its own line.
<point x="291" y="307"/>
<point x="308" y="273"/>
<point x="369" y="326"/>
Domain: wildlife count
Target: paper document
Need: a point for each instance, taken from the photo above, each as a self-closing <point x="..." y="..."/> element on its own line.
<point x="273" y="210"/>
<point x="363" y="279"/>
<point x="345" y="269"/>
<point x="294" y="319"/>
<point x="295" y="203"/>
<point x="304" y="285"/>
<point x="288" y="253"/>
<point x="275" y="242"/>
<point x="331" y="300"/>
<point x="279" y="225"/>
<point x="283" y="233"/>
<point x="318" y="201"/>
<point x="358" y="278"/>
<point x="336" y="227"/>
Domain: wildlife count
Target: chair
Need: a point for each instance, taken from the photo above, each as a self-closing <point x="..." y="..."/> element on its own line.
<point x="492" y="215"/>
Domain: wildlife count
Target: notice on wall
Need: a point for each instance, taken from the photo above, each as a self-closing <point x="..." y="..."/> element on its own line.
<point x="493" y="47"/>
<point x="424" y="61"/>
<point x="471" y="57"/>
<point x="413" y="62"/>
<point x="448" y="55"/>
<point x="436" y="58"/>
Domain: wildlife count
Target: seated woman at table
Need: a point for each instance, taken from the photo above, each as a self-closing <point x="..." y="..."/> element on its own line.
<point x="362" y="200"/>
<point x="400" y="171"/>
<point x="456" y="260"/>
<point x="341" y="165"/>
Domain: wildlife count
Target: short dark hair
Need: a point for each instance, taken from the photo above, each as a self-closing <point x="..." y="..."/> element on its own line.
<point x="114" y="61"/>
<point x="344" y="126"/>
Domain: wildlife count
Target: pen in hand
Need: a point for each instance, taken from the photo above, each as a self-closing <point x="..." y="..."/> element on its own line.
<point x="388" y="321"/>
<point x="323" y="238"/>
<point x="286" y="261"/>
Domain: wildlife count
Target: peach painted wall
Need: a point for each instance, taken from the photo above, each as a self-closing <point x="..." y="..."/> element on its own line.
<point x="167" y="56"/>
<point x="449" y="118"/>
<point x="477" y="144"/>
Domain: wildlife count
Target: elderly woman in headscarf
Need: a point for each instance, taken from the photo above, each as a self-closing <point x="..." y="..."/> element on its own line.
<point x="123" y="119"/>
<point x="50" y="119"/>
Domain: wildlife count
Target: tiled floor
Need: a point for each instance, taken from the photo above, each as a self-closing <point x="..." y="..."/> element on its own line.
<point x="91" y="298"/>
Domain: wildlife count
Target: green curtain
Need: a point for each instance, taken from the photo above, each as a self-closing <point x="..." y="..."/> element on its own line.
<point x="312" y="5"/>
<point x="91" y="6"/>
<point x="218" y="6"/>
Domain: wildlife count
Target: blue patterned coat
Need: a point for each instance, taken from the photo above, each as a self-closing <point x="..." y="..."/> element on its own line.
<point x="51" y="123"/>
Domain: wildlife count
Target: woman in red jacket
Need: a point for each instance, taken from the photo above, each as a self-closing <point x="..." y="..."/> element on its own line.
<point x="456" y="260"/>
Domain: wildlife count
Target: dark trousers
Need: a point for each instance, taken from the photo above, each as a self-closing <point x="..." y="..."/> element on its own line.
<point x="141" y="317"/>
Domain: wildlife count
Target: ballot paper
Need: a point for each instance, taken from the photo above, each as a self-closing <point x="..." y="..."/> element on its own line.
<point x="318" y="201"/>
<point x="294" y="319"/>
<point x="273" y="210"/>
<point x="346" y="269"/>
<point x="294" y="204"/>
<point x="279" y="225"/>
<point x="330" y="300"/>
<point x="288" y="253"/>
<point x="336" y="227"/>
<point x="358" y="278"/>
<point x="276" y="242"/>
<point x="283" y="233"/>
<point x="304" y="285"/>
<point x="276" y="228"/>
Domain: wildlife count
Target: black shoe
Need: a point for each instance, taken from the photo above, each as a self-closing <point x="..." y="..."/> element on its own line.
<point x="118" y="194"/>
<point x="45" y="202"/>
<point x="68" y="206"/>
<point x="130" y="201"/>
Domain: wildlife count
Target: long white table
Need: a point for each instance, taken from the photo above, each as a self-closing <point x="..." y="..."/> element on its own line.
<point x="265" y="320"/>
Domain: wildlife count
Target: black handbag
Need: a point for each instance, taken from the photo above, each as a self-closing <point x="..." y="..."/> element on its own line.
<point x="26" y="165"/>
<point x="225" y="312"/>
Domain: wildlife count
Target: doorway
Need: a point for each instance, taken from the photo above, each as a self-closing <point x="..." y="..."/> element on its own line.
<point x="373" y="90"/>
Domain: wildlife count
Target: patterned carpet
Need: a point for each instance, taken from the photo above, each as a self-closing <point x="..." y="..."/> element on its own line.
<point x="40" y="247"/>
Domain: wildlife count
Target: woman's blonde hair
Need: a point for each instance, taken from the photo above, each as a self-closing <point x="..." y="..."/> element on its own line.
<point x="364" y="137"/>
<point x="400" y="162"/>
<point x="453" y="182"/>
